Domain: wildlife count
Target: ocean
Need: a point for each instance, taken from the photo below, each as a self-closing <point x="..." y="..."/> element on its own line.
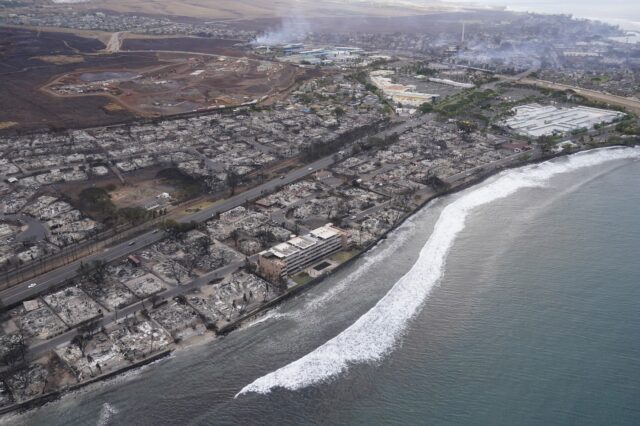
<point x="625" y="13"/>
<point x="512" y="302"/>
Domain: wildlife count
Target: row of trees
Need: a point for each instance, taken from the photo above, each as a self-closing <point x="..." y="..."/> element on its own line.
<point x="85" y="333"/>
<point x="14" y="348"/>
<point x="318" y="149"/>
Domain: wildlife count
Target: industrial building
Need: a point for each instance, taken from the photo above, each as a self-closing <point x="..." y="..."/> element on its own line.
<point x="414" y="99"/>
<point x="449" y="82"/>
<point x="324" y="55"/>
<point x="536" y="120"/>
<point x="301" y="252"/>
<point x="400" y="93"/>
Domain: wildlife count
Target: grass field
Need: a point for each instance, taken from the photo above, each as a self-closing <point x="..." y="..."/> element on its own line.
<point x="301" y="278"/>
<point x="343" y="256"/>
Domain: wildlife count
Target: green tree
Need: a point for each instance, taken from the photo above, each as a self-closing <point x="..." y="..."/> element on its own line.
<point x="233" y="179"/>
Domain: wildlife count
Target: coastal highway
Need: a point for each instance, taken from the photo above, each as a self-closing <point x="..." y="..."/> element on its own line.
<point x="631" y="104"/>
<point x="40" y="348"/>
<point x="58" y="276"/>
<point x="259" y="191"/>
<point x="52" y="279"/>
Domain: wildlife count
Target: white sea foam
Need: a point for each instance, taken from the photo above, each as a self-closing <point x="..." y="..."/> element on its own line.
<point x="271" y="315"/>
<point x="375" y="333"/>
<point x="106" y="413"/>
<point x="376" y="255"/>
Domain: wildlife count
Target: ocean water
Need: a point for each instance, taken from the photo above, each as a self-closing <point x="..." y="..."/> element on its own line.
<point x="513" y="302"/>
<point x="625" y="13"/>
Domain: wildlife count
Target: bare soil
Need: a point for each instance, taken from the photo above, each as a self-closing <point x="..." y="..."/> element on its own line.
<point x="181" y="83"/>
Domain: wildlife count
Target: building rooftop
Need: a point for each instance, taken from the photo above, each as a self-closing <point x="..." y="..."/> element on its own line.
<point x="325" y="232"/>
<point x="296" y="244"/>
<point x="302" y="242"/>
<point x="537" y="120"/>
<point x="283" y="250"/>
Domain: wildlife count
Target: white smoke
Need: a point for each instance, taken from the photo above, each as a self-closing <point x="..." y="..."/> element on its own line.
<point x="293" y="27"/>
<point x="290" y="30"/>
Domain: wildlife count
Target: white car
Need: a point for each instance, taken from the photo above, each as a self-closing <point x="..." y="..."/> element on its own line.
<point x="32" y="285"/>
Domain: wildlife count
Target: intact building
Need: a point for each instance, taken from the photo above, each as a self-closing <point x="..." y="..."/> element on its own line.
<point x="536" y="120"/>
<point x="301" y="252"/>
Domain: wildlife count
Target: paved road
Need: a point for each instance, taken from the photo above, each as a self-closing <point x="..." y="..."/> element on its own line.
<point x="62" y="339"/>
<point x="35" y="231"/>
<point x="211" y="164"/>
<point x="257" y="145"/>
<point x="632" y="104"/>
<point x="58" y="276"/>
<point x="280" y="217"/>
<point x="533" y="153"/>
<point x="115" y="42"/>
<point x="259" y="191"/>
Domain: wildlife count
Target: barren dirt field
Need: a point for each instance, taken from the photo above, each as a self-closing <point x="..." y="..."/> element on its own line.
<point x="28" y="62"/>
<point x="184" y="44"/>
<point x="181" y="83"/>
<point x="60" y="80"/>
<point x="142" y="188"/>
<point x="140" y="193"/>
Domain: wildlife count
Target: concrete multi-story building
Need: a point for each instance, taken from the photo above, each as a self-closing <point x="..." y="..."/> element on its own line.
<point x="301" y="252"/>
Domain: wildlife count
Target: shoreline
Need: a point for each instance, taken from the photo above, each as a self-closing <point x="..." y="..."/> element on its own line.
<point x="209" y="336"/>
<point x="470" y="181"/>
<point x="591" y="14"/>
<point x="41" y="400"/>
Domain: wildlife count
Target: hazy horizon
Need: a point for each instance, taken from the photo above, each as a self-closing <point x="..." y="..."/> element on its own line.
<point x="617" y="12"/>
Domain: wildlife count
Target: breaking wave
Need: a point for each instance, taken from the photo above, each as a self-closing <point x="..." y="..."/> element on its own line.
<point x="376" y="332"/>
<point x="106" y="413"/>
<point x="401" y="235"/>
<point x="266" y="317"/>
<point x="375" y="255"/>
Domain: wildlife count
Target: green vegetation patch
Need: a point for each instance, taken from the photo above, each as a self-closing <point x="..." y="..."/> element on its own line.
<point x="600" y="79"/>
<point x="97" y="202"/>
<point x="177" y="230"/>
<point x="301" y="278"/>
<point x="343" y="256"/>
<point x="628" y="127"/>
<point x="463" y="102"/>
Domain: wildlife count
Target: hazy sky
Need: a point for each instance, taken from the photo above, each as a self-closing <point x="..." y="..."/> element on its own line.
<point x="623" y="12"/>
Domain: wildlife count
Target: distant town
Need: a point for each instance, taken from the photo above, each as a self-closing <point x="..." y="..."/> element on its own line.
<point x="168" y="196"/>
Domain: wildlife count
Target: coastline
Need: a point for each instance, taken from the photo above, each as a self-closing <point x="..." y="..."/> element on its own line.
<point x="458" y="185"/>
<point x="590" y="11"/>
<point x="40" y="400"/>
<point x="470" y="181"/>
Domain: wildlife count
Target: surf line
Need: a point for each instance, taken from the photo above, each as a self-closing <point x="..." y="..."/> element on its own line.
<point x="375" y="333"/>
